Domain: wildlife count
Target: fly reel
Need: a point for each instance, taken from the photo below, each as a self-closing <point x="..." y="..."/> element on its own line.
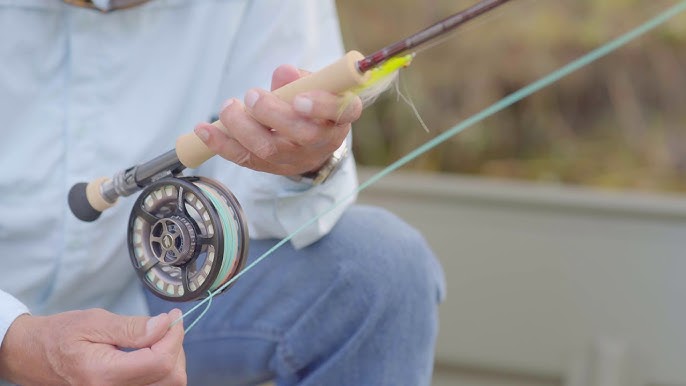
<point x="187" y="237"/>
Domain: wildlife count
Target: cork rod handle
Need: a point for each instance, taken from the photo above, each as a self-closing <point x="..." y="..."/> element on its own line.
<point x="337" y="78"/>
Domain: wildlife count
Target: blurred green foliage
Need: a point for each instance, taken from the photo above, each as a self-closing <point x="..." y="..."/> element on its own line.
<point x="620" y="123"/>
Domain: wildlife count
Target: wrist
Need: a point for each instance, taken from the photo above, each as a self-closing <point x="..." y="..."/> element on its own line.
<point x="14" y="348"/>
<point x="326" y="170"/>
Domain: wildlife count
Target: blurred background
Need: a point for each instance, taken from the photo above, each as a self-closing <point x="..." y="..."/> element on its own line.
<point x="617" y="124"/>
<point x="560" y="221"/>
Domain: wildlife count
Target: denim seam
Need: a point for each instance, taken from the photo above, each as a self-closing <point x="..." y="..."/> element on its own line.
<point x="254" y="332"/>
<point x="242" y="335"/>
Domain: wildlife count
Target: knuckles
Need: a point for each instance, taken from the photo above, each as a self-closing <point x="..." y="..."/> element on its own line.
<point x="266" y="151"/>
<point x="310" y="136"/>
<point x="229" y="116"/>
<point x="242" y="158"/>
<point x="132" y="331"/>
<point x="299" y="143"/>
<point x="88" y="319"/>
<point x="268" y="103"/>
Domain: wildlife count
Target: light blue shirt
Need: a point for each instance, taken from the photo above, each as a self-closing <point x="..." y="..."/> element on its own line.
<point x="85" y="94"/>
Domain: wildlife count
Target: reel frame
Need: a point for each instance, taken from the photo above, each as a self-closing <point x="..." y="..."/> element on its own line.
<point x="180" y="244"/>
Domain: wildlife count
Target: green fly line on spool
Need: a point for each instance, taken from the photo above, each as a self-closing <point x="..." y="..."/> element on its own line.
<point x="229" y="228"/>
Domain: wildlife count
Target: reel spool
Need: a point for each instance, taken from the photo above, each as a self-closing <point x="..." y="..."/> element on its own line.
<point x="187" y="237"/>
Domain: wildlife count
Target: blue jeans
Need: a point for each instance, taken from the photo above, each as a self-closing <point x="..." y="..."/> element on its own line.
<point x="359" y="307"/>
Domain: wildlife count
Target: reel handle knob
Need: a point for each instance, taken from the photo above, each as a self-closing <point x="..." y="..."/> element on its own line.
<point x="338" y="77"/>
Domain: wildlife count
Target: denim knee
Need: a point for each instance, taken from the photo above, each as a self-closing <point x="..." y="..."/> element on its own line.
<point x="382" y="255"/>
<point x="376" y="323"/>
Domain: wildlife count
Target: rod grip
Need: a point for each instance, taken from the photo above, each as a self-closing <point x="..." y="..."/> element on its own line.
<point x="85" y="200"/>
<point x="338" y="77"/>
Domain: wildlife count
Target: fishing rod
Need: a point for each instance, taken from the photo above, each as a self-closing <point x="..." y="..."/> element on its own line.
<point x="428" y="34"/>
<point x="187" y="236"/>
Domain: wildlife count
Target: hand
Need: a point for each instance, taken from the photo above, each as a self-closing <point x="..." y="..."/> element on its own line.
<point x="82" y="348"/>
<point x="270" y="135"/>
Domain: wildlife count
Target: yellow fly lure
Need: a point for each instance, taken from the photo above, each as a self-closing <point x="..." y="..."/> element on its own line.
<point x="381" y="78"/>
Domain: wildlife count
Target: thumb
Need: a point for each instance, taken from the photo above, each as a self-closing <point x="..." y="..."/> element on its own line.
<point x="131" y="331"/>
<point x="286" y="74"/>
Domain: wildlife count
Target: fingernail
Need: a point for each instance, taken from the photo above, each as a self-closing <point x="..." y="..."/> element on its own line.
<point x="251" y="98"/>
<point x="226" y="104"/>
<point x="175" y="313"/>
<point x="302" y="104"/>
<point x="202" y="133"/>
<point x="176" y="316"/>
<point x="153" y="323"/>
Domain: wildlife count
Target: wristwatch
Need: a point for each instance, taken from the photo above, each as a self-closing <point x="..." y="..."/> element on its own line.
<point x="330" y="167"/>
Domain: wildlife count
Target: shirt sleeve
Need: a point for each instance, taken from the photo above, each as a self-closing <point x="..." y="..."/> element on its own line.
<point x="306" y="34"/>
<point x="10" y="309"/>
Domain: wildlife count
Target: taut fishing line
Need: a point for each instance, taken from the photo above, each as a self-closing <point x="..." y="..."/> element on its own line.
<point x="509" y="100"/>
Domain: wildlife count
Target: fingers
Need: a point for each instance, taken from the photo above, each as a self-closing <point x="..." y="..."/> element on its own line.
<point x="178" y="376"/>
<point x="285" y="74"/>
<point x="280" y="142"/>
<point x="250" y="133"/>
<point x="313" y="127"/>
<point x="84" y="347"/>
<point x="125" y="331"/>
<point x="324" y="105"/>
<point x="150" y="365"/>
<point x="270" y="112"/>
<point x="267" y="134"/>
<point x="221" y="143"/>
<point x="306" y="110"/>
<point x="318" y="104"/>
